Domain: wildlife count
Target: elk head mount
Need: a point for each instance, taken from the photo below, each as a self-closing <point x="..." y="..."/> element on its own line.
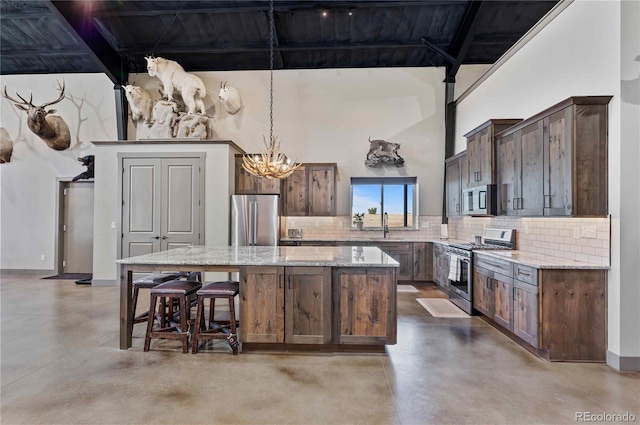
<point x="50" y="128"/>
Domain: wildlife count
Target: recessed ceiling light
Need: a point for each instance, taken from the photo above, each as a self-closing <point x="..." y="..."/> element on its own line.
<point x="324" y="13"/>
<point x="350" y="12"/>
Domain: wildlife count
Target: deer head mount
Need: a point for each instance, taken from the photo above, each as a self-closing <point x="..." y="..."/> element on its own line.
<point x="50" y="128"/>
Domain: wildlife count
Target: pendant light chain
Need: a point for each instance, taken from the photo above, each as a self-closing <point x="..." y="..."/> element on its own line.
<point x="271" y="23"/>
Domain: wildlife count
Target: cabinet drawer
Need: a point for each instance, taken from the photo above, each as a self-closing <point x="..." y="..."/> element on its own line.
<point x="525" y="274"/>
<point x="494" y="264"/>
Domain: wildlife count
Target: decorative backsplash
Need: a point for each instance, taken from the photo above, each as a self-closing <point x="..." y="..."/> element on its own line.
<point x="582" y="239"/>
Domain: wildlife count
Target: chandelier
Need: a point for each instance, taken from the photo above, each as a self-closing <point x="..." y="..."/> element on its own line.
<point x="272" y="163"/>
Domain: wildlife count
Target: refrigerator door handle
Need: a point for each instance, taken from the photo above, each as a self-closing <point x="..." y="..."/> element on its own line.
<point x="254" y="219"/>
<point x="250" y="224"/>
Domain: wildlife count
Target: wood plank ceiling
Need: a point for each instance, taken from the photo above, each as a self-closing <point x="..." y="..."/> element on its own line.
<point x="42" y="36"/>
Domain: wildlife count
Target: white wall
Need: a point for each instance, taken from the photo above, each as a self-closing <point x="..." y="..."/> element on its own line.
<point x="574" y="56"/>
<point x="28" y="182"/>
<point x="328" y="116"/>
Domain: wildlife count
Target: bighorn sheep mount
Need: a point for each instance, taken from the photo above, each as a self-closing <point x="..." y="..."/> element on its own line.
<point x="230" y="98"/>
<point x="174" y="77"/>
<point x="140" y="102"/>
<point x="50" y="128"/>
<point x="383" y="153"/>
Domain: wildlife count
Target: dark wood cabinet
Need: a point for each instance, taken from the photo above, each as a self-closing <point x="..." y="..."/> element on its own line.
<point x="310" y="191"/>
<point x="367" y="304"/>
<point x="288" y="305"/>
<point x="248" y="184"/>
<point x="440" y="266"/>
<point x="561" y="313"/>
<point x="422" y="261"/>
<point x="453" y="183"/>
<point x="481" y="153"/>
<point x="403" y="254"/>
<point x="555" y="163"/>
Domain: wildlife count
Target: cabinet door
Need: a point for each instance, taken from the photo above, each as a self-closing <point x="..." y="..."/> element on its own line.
<point x="557" y="168"/>
<point x="321" y="190"/>
<point x="269" y="186"/>
<point x="482" y="292"/>
<point x="246" y="183"/>
<point x="507" y="177"/>
<point x="485" y="161"/>
<point x="453" y="188"/>
<point x="525" y="314"/>
<point x="470" y="179"/>
<point x="403" y="254"/>
<point x="262" y="304"/>
<point x="530" y="197"/>
<point x="308" y="305"/>
<point x="503" y="300"/>
<point x="444" y="270"/>
<point x="437" y="252"/>
<point x="422" y="261"/>
<point x="295" y="193"/>
<point x="367" y="306"/>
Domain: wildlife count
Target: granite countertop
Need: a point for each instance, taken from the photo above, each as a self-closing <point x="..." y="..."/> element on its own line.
<point x="321" y="256"/>
<point x="540" y="261"/>
<point x="355" y="240"/>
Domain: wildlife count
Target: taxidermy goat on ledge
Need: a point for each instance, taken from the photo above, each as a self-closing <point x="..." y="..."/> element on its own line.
<point x="174" y="77"/>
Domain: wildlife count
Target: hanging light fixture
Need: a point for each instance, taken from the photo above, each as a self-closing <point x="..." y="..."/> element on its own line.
<point x="272" y="163"/>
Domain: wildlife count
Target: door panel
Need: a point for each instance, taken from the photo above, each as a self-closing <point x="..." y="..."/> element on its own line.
<point x="308" y="305"/>
<point x="77" y="252"/>
<point x="503" y="301"/>
<point x="321" y="190"/>
<point x="161" y="204"/>
<point x="531" y="169"/>
<point x="262" y="320"/>
<point x="141" y="205"/>
<point x="507" y="175"/>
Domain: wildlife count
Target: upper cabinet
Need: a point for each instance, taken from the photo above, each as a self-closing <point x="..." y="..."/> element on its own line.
<point x="248" y="184"/>
<point x="310" y="191"/>
<point x="481" y="152"/>
<point x="555" y="163"/>
<point x="455" y="170"/>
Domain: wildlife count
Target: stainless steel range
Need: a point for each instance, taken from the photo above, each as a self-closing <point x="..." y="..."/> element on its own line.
<point x="461" y="263"/>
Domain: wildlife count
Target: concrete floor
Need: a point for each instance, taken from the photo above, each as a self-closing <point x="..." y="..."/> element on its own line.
<point x="61" y="364"/>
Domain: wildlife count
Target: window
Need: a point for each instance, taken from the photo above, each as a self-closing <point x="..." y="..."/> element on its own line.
<point x="396" y="196"/>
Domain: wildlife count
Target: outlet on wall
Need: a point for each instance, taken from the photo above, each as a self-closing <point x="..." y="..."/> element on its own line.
<point x="113" y="224"/>
<point x="589" y="232"/>
<point x="526" y="229"/>
<point x="576" y="232"/>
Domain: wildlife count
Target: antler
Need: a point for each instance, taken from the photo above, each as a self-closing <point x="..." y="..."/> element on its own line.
<point x="44" y="105"/>
<point x="19" y="102"/>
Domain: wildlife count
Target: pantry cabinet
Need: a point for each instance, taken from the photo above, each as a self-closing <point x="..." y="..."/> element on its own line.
<point x="555" y="163"/>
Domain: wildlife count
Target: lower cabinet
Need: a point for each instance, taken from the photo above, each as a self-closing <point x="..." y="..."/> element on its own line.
<point x="493" y="296"/>
<point x="422" y="261"/>
<point x="403" y="254"/>
<point x="561" y="313"/>
<point x="286" y="305"/>
<point x="318" y="305"/>
<point x="440" y="266"/>
<point x="366" y="300"/>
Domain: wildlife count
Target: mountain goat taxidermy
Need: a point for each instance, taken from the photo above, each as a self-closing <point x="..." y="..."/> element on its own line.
<point x="174" y="77"/>
<point x="230" y="98"/>
<point x="140" y="102"/>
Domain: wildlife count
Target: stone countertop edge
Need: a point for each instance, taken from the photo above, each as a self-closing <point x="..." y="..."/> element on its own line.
<point x="329" y="256"/>
<point x="540" y="261"/>
<point x="354" y="240"/>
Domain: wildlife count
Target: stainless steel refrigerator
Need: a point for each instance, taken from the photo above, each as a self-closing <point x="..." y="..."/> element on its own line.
<point x="255" y="220"/>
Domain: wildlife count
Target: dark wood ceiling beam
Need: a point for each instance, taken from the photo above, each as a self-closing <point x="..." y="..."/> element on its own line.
<point x="257" y="48"/>
<point x="72" y="16"/>
<point x="283" y="6"/>
<point x="41" y="52"/>
<point x="464" y="37"/>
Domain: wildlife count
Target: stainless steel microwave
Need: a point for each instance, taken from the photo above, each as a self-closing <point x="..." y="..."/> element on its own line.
<point x="479" y="200"/>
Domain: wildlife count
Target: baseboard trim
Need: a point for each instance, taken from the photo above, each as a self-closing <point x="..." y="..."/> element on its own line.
<point x="104" y="282"/>
<point x="27" y="272"/>
<point x="623" y="364"/>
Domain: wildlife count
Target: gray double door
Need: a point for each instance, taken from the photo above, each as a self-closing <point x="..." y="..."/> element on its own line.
<point x="161" y="205"/>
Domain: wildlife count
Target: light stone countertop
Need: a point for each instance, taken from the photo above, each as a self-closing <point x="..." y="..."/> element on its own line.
<point x="540" y="261"/>
<point x="321" y="256"/>
<point x="354" y="240"/>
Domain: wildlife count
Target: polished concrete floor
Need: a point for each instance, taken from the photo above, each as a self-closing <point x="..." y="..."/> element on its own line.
<point x="61" y="364"/>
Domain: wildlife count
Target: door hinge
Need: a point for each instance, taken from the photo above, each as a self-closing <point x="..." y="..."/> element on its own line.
<point x="64" y="227"/>
<point x="64" y="192"/>
<point x="64" y="264"/>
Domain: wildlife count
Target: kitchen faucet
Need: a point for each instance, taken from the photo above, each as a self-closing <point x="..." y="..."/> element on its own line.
<point x="385" y="225"/>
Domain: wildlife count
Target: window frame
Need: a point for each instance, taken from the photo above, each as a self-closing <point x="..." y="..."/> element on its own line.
<point x="389" y="181"/>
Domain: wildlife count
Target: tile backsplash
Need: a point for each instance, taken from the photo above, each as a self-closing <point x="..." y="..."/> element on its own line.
<point x="582" y="239"/>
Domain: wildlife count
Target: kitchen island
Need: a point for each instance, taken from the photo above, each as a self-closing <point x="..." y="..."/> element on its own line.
<point x="298" y="298"/>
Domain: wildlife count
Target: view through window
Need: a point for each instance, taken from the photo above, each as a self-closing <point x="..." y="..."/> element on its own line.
<point x="374" y="196"/>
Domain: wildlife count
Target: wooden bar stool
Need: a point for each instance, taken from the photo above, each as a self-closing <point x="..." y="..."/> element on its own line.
<point x="148" y="282"/>
<point x="173" y="289"/>
<point x="219" y="329"/>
